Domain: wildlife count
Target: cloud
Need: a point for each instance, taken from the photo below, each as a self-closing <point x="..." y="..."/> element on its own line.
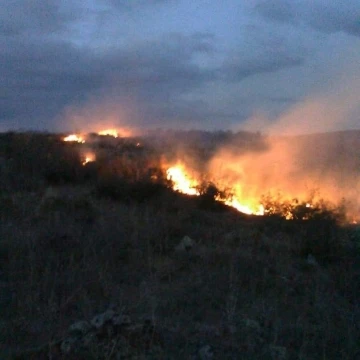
<point x="322" y="15"/>
<point x="130" y="5"/>
<point x="58" y="55"/>
<point x="43" y="77"/>
<point x="265" y="49"/>
<point x="38" y="16"/>
<point x="332" y="106"/>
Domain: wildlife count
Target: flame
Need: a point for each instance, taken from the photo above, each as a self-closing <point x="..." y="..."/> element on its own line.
<point x="109" y="132"/>
<point x="89" y="157"/>
<point x="182" y="182"/>
<point x="246" y="209"/>
<point x="74" y="138"/>
<point x="185" y="184"/>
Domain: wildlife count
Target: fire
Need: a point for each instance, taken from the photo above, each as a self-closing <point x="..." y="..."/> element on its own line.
<point x="90" y="157"/>
<point x="109" y="132"/>
<point x="246" y="209"/>
<point x="74" y="138"/>
<point x="187" y="185"/>
<point x="182" y="182"/>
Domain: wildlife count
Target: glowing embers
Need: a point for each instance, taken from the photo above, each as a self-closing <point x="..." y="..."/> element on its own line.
<point x="109" y="132"/>
<point x="182" y="182"/>
<point x="74" y="138"/>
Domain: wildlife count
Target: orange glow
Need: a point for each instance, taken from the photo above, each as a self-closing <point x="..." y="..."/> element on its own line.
<point x="182" y="182"/>
<point x="109" y="132"/>
<point x="89" y="157"/>
<point x="189" y="185"/>
<point x="256" y="209"/>
<point x="74" y="138"/>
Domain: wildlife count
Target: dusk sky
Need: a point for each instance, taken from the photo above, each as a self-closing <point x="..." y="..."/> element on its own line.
<point x="192" y="64"/>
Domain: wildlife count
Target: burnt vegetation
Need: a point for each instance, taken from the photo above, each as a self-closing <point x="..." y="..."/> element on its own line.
<point x="77" y="239"/>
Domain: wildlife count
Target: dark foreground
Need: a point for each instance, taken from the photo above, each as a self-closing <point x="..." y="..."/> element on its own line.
<point x="246" y="288"/>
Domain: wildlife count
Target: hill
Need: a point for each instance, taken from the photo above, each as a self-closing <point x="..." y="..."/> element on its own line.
<point x="98" y="265"/>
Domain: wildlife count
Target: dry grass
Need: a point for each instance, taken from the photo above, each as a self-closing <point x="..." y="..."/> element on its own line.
<point x="245" y="289"/>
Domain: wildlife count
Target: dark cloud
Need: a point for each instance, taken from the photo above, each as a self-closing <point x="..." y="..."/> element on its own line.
<point x="42" y="77"/>
<point x="57" y="55"/>
<point x="36" y="16"/>
<point x="264" y="51"/>
<point x="323" y="15"/>
<point x="242" y="68"/>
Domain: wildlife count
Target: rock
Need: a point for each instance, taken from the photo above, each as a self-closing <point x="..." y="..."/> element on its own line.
<point x="108" y="335"/>
<point x="185" y="245"/>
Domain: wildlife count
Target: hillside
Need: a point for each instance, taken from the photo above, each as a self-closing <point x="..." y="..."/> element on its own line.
<point x="106" y="261"/>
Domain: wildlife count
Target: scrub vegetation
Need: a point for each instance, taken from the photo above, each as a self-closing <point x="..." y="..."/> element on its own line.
<point x="208" y="281"/>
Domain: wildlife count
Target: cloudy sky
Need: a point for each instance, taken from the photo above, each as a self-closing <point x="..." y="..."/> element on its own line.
<point x="202" y="64"/>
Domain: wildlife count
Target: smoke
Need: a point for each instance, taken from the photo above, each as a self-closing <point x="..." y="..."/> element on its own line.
<point x="96" y="116"/>
<point x="307" y="151"/>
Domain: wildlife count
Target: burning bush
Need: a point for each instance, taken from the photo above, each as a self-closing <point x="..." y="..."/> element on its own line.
<point x="303" y="210"/>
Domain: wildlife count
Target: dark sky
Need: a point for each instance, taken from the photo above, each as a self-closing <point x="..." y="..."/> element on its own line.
<point x="204" y="64"/>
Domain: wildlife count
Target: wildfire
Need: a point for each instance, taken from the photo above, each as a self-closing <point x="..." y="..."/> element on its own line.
<point x="187" y="185"/>
<point x="246" y="209"/>
<point x="74" y="138"/>
<point x="182" y="182"/>
<point x="90" y="157"/>
<point x="109" y="132"/>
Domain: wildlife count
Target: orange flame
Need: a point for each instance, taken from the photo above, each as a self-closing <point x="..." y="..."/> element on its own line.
<point x="89" y="157"/>
<point x="185" y="184"/>
<point x="74" y="138"/>
<point x="109" y="132"/>
<point x="182" y="182"/>
<point x="242" y="207"/>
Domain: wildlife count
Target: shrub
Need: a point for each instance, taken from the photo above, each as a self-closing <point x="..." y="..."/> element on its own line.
<point x="79" y="208"/>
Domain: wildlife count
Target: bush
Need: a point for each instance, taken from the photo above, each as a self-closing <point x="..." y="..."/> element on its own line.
<point x="121" y="189"/>
<point x="305" y="210"/>
<point x="78" y="208"/>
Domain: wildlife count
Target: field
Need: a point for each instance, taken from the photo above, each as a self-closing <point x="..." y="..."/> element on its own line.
<point x="103" y="260"/>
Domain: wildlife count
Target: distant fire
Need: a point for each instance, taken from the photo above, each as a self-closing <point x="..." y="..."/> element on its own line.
<point x="109" y="132"/>
<point x="271" y="180"/>
<point x="89" y="157"/>
<point x="185" y="184"/>
<point x="74" y="138"/>
<point x="246" y="209"/>
<point x="182" y="182"/>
